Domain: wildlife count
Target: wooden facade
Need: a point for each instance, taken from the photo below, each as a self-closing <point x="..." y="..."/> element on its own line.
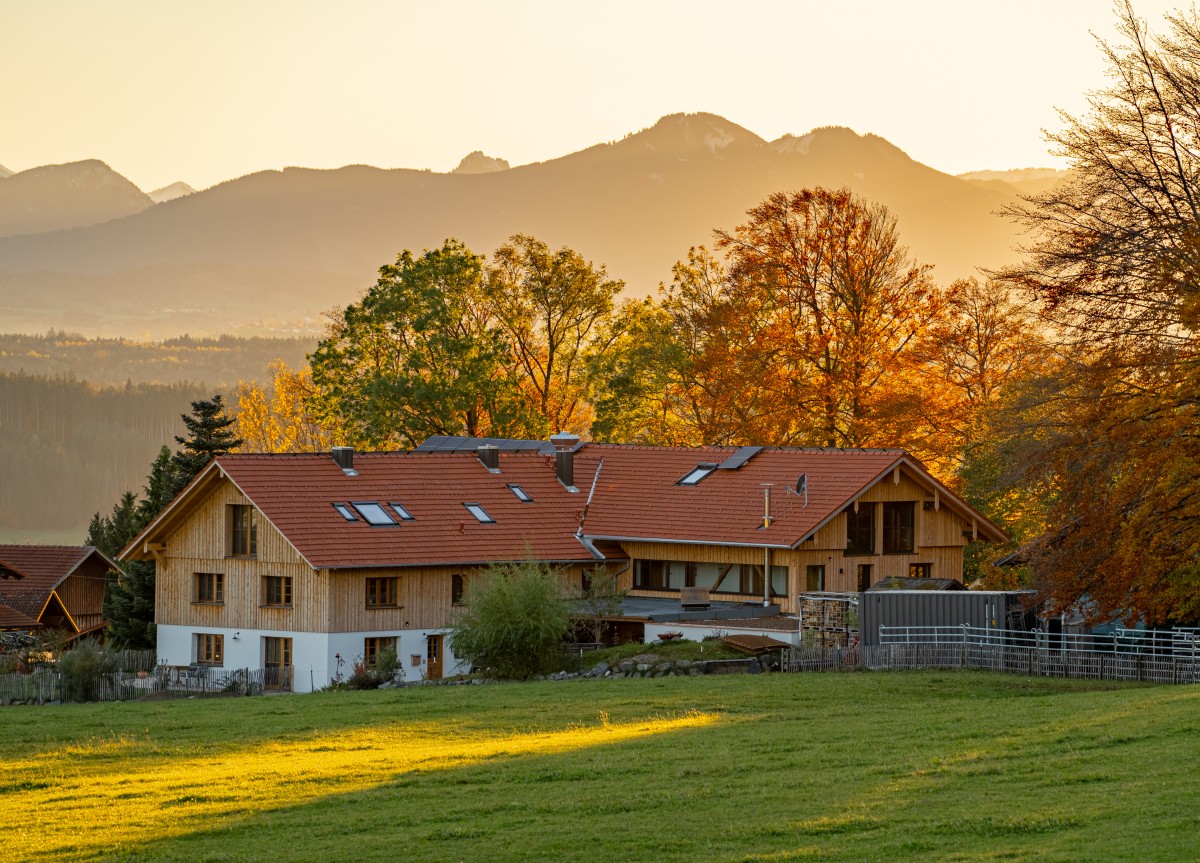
<point x="323" y="600"/>
<point x="939" y="538"/>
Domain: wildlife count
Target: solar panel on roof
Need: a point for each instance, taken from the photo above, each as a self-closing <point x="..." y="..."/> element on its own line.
<point x="739" y="458"/>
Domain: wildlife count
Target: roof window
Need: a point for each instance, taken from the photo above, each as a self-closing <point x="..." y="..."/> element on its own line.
<point x="346" y="512"/>
<point x="401" y="511"/>
<point x="374" y="513"/>
<point x="522" y="495"/>
<point x="701" y="471"/>
<point x="479" y="512"/>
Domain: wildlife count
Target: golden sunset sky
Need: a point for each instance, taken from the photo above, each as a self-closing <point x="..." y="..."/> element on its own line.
<point x="204" y="92"/>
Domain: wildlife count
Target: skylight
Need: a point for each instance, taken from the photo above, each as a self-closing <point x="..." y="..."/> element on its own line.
<point x="521" y="494"/>
<point x="374" y="513"/>
<point x="346" y="512"/>
<point x="479" y="512"/>
<point x="700" y="472"/>
<point x="401" y="511"/>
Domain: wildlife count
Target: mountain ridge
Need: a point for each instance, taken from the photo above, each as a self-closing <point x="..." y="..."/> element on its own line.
<point x="273" y="249"/>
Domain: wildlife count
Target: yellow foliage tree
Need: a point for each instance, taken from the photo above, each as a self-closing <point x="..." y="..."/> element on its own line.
<point x="280" y="418"/>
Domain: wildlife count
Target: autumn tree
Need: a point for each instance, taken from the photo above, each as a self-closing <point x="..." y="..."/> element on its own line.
<point x="420" y="354"/>
<point x="280" y="417"/>
<point x="552" y="307"/>
<point x="1116" y="262"/>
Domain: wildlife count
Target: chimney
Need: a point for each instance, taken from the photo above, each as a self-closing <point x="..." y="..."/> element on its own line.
<point x="344" y="456"/>
<point x="564" y="457"/>
<point x="490" y="456"/>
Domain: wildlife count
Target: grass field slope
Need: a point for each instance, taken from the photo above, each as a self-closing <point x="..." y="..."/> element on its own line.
<point x="846" y="767"/>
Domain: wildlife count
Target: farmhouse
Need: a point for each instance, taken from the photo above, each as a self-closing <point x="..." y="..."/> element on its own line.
<point x="55" y="586"/>
<point x="295" y="563"/>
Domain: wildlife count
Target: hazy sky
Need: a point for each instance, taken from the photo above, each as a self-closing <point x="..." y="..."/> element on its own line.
<point x="204" y="92"/>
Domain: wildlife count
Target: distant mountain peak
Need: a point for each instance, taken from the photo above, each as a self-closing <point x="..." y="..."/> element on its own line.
<point x="685" y="134"/>
<point x="171" y="192"/>
<point x="4" y="172"/>
<point x="478" y="163"/>
<point x="56" y="197"/>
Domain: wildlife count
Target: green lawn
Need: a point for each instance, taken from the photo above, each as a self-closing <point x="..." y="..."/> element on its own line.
<point x="854" y="767"/>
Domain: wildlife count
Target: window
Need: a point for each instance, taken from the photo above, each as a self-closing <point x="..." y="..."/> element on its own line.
<point x="522" y="495"/>
<point x="346" y="512"/>
<point x="920" y="570"/>
<point x="650" y="574"/>
<point x="277" y="590"/>
<point x="373" y="513"/>
<point x="210" y="649"/>
<point x="736" y="578"/>
<point x="860" y="529"/>
<point x="401" y="511"/>
<point x="372" y="646"/>
<point x="382" y="592"/>
<point x="209" y="587"/>
<point x="814" y="577"/>
<point x="864" y="576"/>
<point x="243" y="530"/>
<point x="700" y="472"/>
<point x="457" y="589"/>
<point x="479" y="512"/>
<point x="898" y="523"/>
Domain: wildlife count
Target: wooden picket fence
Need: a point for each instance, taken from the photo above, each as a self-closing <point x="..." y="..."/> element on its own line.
<point x="47" y="684"/>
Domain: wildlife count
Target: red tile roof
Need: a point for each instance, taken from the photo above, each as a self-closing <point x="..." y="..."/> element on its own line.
<point x="296" y="493"/>
<point x="11" y="619"/>
<point x="43" y="567"/>
<point x="638" y="495"/>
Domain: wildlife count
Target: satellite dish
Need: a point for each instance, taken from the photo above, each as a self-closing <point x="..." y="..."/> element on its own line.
<point x="802" y="484"/>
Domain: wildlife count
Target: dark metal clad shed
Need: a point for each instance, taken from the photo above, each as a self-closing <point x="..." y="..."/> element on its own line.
<point x="987" y="609"/>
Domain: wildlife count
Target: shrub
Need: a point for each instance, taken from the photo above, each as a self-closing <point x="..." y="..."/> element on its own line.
<point x="82" y="669"/>
<point x="514" y="622"/>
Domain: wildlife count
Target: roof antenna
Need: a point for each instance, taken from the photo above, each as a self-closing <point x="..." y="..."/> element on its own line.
<point x="801" y="488"/>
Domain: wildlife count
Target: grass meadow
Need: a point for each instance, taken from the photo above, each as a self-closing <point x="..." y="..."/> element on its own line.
<point x="833" y="767"/>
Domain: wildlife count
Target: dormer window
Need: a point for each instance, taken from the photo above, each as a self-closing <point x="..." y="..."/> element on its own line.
<point x="373" y="513"/>
<point x="345" y="511"/>
<point x="401" y="511"/>
<point x="479" y="512"/>
<point x="522" y="495"/>
<point x="700" y="472"/>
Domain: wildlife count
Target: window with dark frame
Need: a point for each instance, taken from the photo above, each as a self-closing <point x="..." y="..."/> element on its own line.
<point x="373" y="513"/>
<point x="864" y="576"/>
<point x="481" y="514"/>
<point x="899" y="527"/>
<point x="210" y="649"/>
<point x="372" y="646"/>
<point x="345" y="511"/>
<point x="860" y="529"/>
<point x="277" y="590"/>
<point x="457" y="589"/>
<point x="243" y="530"/>
<point x="521" y="494"/>
<point x="814" y="578"/>
<point x="732" y="578"/>
<point x="382" y="592"/>
<point x="698" y="473"/>
<point x="401" y="511"/>
<point x="209" y="587"/>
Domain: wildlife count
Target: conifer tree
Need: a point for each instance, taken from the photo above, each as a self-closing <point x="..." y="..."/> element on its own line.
<point x="208" y="435"/>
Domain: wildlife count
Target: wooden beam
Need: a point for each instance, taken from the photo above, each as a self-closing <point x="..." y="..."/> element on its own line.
<point x="937" y="499"/>
<point x="896" y="475"/>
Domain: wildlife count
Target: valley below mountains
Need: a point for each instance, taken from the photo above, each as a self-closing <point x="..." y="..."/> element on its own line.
<point x="270" y="252"/>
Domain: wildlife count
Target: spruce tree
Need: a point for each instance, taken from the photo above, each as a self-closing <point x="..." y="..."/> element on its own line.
<point x="209" y="435"/>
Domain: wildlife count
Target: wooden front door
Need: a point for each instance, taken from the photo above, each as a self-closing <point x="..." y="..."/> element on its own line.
<point x="277" y="660"/>
<point x="433" y="657"/>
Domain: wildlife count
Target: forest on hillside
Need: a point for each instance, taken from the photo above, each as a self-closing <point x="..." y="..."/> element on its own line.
<point x="219" y="362"/>
<point x="68" y="449"/>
